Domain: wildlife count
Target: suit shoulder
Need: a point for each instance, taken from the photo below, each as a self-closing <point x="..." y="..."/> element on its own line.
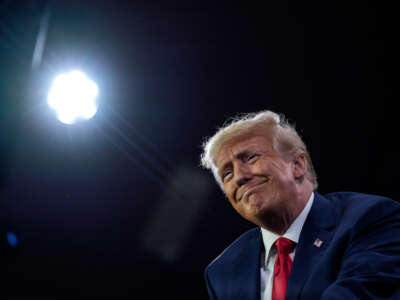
<point x="356" y="200"/>
<point x="357" y="206"/>
<point x="230" y="253"/>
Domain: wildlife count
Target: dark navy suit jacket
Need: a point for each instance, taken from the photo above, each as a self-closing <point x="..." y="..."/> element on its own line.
<point x="359" y="257"/>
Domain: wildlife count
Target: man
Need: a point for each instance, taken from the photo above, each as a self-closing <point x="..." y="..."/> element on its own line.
<point x="305" y="246"/>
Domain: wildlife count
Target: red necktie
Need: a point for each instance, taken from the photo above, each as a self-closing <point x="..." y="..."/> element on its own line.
<point x="282" y="267"/>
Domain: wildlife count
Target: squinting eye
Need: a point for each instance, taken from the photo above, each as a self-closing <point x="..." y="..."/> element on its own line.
<point x="226" y="174"/>
<point x="252" y="157"/>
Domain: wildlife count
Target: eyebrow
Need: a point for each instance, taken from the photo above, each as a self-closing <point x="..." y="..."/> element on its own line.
<point x="240" y="154"/>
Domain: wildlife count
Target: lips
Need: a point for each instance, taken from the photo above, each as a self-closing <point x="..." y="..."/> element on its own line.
<point x="245" y="189"/>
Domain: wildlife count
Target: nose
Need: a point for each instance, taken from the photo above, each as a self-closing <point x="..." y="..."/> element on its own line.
<point x="242" y="173"/>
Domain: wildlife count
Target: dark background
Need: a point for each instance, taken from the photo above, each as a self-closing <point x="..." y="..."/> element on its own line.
<point x="117" y="207"/>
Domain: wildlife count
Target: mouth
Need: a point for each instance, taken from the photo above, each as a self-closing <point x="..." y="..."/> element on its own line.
<point x="252" y="188"/>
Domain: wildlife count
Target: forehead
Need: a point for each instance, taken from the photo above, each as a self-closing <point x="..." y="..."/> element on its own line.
<point x="241" y="144"/>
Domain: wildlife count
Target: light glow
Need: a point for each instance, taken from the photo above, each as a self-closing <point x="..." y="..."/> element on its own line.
<point x="73" y="96"/>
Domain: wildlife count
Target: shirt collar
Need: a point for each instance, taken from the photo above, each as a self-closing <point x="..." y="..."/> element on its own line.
<point x="293" y="232"/>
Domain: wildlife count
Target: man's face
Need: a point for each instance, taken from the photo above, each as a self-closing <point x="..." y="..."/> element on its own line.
<point x="259" y="182"/>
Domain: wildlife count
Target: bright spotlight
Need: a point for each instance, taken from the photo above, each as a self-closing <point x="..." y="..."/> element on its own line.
<point x="72" y="96"/>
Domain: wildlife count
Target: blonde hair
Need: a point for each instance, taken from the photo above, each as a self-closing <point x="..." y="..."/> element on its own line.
<point x="285" y="139"/>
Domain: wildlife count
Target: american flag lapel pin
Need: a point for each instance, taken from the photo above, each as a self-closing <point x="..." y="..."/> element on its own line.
<point x="318" y="243"/>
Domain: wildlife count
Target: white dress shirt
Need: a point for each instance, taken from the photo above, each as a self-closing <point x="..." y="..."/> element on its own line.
<point x="269" y="256"/>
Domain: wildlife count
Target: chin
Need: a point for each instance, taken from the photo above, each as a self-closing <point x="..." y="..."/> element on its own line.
<point x="257" y="214"/>
<point x="258" y="203"/>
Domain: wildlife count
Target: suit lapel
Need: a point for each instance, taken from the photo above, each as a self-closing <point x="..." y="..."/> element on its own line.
<point x="318" y="226"/>
<point x="245" y="280"/>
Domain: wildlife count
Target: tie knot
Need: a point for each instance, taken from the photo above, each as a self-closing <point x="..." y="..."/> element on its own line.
<point x="284" y="246"/>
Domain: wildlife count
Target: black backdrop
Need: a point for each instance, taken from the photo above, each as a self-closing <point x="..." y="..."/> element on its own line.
<point x="118" y="207"/>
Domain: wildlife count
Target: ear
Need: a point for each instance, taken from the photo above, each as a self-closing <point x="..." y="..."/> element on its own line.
<point x="300" y="166"/>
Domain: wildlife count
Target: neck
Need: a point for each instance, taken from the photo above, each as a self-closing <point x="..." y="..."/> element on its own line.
<point x="279" y="222"/>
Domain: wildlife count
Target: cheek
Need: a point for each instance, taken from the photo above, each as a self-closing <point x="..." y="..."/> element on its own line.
<point x="278" y="166"/>
<point x="266" y="167"/>
<point x="228" y="193"/>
